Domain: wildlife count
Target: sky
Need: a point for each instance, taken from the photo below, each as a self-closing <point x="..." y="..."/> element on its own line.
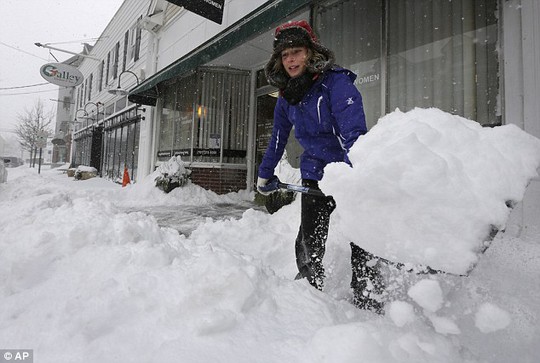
<point x="64" y="24"/>
<point x="87" y="274"/>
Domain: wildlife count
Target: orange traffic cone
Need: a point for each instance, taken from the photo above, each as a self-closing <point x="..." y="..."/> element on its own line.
<point x="126" y="180"/>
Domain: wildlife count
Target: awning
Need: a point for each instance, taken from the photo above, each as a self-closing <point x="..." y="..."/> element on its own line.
<point x="257" y="21"/>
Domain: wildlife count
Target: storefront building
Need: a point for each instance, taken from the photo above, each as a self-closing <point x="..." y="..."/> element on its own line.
<point x="106" y="124"/>
<point x="472" y="58"/>
<point x="406" y="54"/>
<point x="205" y="97"/>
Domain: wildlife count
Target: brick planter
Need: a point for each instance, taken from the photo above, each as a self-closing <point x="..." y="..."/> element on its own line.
<point x="219" y="180"/>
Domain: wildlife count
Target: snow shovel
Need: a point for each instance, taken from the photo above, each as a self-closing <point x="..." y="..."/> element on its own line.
<point x="274" y="201"/>
<point x="274" y="184"/>
<point x="359" y="253"/>
<point x="300" y="189"/>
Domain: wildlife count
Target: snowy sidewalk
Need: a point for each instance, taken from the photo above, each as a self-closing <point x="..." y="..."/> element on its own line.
<point x="185" y="219"/>
<point x="85" y="276"/>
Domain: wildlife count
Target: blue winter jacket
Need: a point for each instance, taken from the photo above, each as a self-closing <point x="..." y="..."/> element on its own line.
<point x="327" y="122"/>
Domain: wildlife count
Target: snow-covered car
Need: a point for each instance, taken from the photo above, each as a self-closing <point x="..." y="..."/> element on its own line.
<point x="3" y="172"/>
<point x="11" y="161"/>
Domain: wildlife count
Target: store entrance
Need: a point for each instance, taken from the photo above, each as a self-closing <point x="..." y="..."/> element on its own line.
<point x="264" y="122"/>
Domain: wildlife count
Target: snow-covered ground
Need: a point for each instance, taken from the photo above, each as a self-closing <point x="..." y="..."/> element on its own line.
<point x="82" y="280"/>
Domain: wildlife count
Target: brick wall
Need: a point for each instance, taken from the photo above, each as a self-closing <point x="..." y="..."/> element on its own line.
<point x="219" y="180"/>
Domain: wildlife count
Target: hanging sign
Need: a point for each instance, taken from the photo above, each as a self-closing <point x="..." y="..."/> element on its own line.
<point x="209" y="9"/>
<point x="61" y="74"/>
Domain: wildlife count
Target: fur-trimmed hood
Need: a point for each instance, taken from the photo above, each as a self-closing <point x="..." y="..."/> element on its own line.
<point x="294" y="34"/>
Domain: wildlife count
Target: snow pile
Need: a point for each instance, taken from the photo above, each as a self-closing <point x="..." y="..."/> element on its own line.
<point x="427" y="186"/>
<point x="491" y="318"/>
<point x="174" y="166"/>
<point x="82" y="280"/>
<point x="88" y="169"/>
<point x="428" y="294"/>
<point x="401" y="313"/>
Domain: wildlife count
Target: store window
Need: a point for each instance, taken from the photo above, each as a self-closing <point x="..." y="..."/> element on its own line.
<point x="100" y="76"/>
<point x="115" y="59"/>
<point x="121" y="144"/>
<point x="204" y="117"/>
<point x="134" y="46"/>
<point x="418" y="53"/>
<point x="177" y="117"/>
<point x="353" y="31"/>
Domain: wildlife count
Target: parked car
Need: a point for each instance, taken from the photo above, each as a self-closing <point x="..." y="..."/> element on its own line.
<point x="12" y="161"/>
<point x="3" y="172"/>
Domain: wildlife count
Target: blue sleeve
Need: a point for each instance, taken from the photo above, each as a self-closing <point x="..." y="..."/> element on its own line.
<point x="348" y="109"/>
<point x="278" y="141"/>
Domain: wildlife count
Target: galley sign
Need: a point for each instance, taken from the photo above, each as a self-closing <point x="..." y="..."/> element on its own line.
<point x="61" y="74"/>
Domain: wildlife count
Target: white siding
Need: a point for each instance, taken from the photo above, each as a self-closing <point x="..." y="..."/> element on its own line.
<point x="186" y="31"/>
<point x="521" y="44"/>
<point x="531" y="64"/>
<point x="123" y="20"/>
<point x="530" y="11"/>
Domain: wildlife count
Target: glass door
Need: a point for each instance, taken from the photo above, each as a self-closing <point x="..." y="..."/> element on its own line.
<point x="264" y="124"/>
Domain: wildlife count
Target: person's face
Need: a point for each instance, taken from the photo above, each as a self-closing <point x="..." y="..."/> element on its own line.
<point x="294" y="60"/>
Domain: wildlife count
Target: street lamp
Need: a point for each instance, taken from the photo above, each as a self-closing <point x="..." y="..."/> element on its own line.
<point x="119" y="91"/>
<point x="87" y="115"/>
<point x="84" y="116"/>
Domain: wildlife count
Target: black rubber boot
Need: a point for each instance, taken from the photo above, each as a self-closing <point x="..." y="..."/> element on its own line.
<point x="367" y="283"/>
<point x="312" y="235"/>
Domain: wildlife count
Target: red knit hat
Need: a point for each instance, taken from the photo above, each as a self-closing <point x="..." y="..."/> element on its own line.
<point x="293" y="34"/>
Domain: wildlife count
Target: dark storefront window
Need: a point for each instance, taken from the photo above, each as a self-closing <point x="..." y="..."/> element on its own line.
<point x="204" y="117"/>
<point x="446" y="58"/>
<point x="418" y="53"/>
<point x="87" y="147"/>
<point x="121" y="145"/>
<point x="353" y="30"/>
<point x="80" y="152"/>
<point x="166" y="123"/>
<point x="183" y="115"/>
<point x="177" y="118"/>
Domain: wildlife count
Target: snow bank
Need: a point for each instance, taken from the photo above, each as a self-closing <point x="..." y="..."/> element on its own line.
<point x="82" y="280"/>
<point x="427" y="186"/>
<point x="428" y="294"/>
<point x="490" y="318"/>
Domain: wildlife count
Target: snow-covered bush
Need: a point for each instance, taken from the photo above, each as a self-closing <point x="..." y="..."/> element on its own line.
<point x="85" y="172"/>
<point x="172" y="174"/>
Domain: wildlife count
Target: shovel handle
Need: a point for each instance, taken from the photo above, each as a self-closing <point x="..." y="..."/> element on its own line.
<point x="301" y="189"/>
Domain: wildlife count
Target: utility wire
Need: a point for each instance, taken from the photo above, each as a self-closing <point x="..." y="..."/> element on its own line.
<point x="30" y="85"/>
<point x="27" y="93"/>
<point x="23" y="51"/>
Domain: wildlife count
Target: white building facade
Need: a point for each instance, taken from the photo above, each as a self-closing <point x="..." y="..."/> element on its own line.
<point x="107" y="130"/>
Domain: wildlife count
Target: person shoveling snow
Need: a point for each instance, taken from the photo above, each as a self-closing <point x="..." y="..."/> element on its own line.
<point x="320" y="100"/>
<point x="432" y="213"/>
